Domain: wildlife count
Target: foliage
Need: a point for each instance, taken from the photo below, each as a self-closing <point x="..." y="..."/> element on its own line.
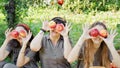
<point x="77" y="12"/>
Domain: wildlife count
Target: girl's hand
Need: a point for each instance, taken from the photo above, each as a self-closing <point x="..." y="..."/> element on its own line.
<point x="27" y="38"/>
<point x="109" y="40"/>
<point x="7" y="34"/>
<point x="66" y="30"/>
<point x="86" y="31"/>
<point x="45" y="25"/>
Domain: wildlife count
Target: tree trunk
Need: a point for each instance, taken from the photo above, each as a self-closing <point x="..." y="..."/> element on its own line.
<point x="10" y="9"/>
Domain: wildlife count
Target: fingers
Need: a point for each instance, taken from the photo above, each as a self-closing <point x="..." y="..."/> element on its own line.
<point x="8" y="30"/>
<point x="29" y="33"/>
<point x="68" y="26"/>
<point x="113" y="33"/>
<point x="85" y="26"/>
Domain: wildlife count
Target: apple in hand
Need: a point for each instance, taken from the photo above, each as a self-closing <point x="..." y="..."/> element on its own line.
<point x="103" y="33"/>
<point x="14" y="34"/>
<point x="94" y="33"/>
<point x="22" y="33"/>
<point x="60" y="2"/>
<point x="59" y="27"/>
<point x="52" y="24"/>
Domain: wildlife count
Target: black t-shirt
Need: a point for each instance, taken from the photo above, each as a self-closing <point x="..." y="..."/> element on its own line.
<point x="13" y="47"/>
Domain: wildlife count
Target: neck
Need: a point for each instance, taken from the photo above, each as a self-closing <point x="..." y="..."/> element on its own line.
<point x="54" y="39"/>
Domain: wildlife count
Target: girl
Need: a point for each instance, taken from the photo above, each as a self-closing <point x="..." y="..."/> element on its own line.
<point x="91" y="48"/>
<point x="54" y="47"/>
<point x="17" y="39"/>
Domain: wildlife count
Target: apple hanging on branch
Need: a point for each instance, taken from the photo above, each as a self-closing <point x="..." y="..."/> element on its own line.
<point x="60" y="2"/>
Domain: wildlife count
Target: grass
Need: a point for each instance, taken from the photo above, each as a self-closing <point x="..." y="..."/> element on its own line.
<point x="36" y="16"/>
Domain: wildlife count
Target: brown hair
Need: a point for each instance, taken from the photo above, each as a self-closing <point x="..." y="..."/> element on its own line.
<point x="90" y="51"/>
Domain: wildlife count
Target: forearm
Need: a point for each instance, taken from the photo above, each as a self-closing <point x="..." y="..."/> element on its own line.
<point x="2" y="50"/>
<point x="21" y="57"/>
<point x="115" y="55"/>
<point x="4" y="45"/>
<point x="67" y="47"/>
<point x="36" y="42"/>
<point x="75" y="51"/>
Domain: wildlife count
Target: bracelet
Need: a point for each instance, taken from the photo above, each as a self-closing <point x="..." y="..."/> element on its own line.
<point x="43" y="30"/>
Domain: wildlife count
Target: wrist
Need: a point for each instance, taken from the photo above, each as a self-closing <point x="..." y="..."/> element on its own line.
<point x="43" y="30"/>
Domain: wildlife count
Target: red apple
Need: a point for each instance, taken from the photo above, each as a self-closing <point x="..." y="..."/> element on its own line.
<point x="112" y="65"/>
<point x="52" y="24"/>
<point x="60" y="2"/>
<point x="14" y="34"/>
<point x="103" y="33"/>
<point x="22" y="33"/>
<point x="59" y="27"/>
<point x="94" y="33"/>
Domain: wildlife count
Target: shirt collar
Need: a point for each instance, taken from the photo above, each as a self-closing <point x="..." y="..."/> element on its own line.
<point x="48" y="37"/>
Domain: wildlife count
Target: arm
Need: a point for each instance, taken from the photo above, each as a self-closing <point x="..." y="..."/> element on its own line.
<point x="67" y="46"/>
<point x="75" y="51"/>
<point x="36" y="42"/>
<point x="22" y="58"/>
<point x="109" y="41"/>
<point x="115" y="55"/>
<point x="3" y="52"/>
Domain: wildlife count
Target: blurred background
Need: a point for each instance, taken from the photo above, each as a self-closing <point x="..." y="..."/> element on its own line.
<point x="77" y="12"/>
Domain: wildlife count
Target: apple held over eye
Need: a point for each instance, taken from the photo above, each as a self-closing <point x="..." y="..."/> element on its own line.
<point x="22" y="33"/>
<point x="94" y="33"/>
<point x="14" y="34"/>
<point x="103" y="33"/>
<point x="59" y="27"/>
<point x="60" y="2"/>
<point x="52" y="24"/>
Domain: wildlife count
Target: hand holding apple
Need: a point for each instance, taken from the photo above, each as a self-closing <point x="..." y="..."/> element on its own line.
<point x="103" y="33"/>
<point x="27" y="38"/>
<point x="110" y="38"/>
<point x="86" y="31"/>
<point x="52" y="24"/>
<point x="22" y="33"/>
<point x="8" y="33"/>
<point x="45" y="25"/>
<point x="14" y="34"/>
<point x="65" y="29"/>
<point x="59" y="27"/>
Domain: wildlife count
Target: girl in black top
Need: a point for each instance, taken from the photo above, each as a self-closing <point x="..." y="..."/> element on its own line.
<point x="15" y="40"/>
